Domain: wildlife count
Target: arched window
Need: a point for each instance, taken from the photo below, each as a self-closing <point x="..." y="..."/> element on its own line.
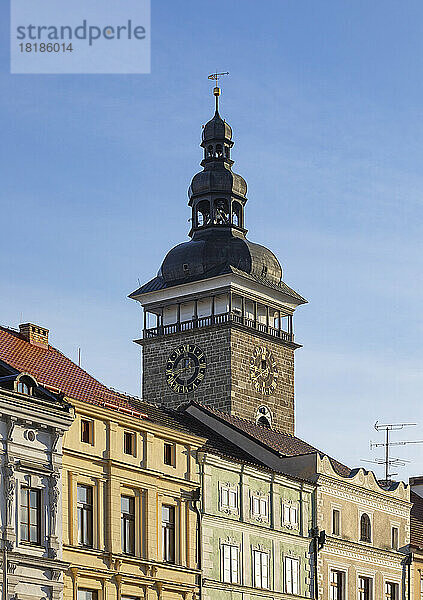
<point x="236" y="214"/>
<point x="221" y="212"/>
<point x="25" y="384"/>
<point x="209" y="151"/>
<point x="264" y="417"/>
<point x="365" y="528"/>
<point x="219" y="151"/>
<point x="203" y="213"/>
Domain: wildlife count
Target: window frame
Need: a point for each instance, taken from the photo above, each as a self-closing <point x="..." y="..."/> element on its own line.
<point x="290" y="508"/>
<point x="263" y="557"/>
<point x="295" y="583"/>
<point x="127" y="530"/>
<point x="90" y="423"/>
<point x="233" y="555"/>
<point x="129" y="435"/>
<point x="395" y="586"/>
<point x="169" y="535"/>
<point x="169" y="454"/>
<point x="336" y="523"/>
<point x="395" y="543"/>
<point x="93" y="592"/>
<point x="334" y="588"/>
<point x="27" y="490"/>
<point x="360" y="591"/>
<point x="365" y="540"/>
<point x="232" y="504"/>
<point x="85" y="518"/>
<point x="260" y="501"/>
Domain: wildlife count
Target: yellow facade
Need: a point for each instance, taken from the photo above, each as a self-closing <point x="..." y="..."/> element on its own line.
<point x="103" y="466"/>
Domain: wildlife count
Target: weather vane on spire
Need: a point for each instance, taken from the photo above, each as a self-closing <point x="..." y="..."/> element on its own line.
<point x="216" y="90"/>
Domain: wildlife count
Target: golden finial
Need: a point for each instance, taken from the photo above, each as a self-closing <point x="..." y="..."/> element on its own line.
<point x="216" y="89"/>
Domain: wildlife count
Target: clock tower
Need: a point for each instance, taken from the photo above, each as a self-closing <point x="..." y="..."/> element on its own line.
<point x="218" y="317"/>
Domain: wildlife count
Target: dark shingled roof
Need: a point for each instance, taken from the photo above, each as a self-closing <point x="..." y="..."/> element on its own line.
<point x="278" y="441"/>
<point x="416" y="520"/>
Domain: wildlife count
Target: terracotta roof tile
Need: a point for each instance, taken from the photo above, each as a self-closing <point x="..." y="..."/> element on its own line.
<point x="56" y="372"/>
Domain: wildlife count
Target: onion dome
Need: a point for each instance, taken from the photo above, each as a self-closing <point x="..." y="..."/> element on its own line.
<point x="216" y="129"/>
<point x="216" y="252"/>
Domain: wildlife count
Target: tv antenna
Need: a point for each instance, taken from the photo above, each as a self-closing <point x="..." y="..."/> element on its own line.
<point x="388" y="461"/>
<point x="216" y="90"/>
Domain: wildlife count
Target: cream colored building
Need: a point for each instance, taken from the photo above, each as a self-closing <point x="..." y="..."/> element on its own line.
<point x="367" y="531"/>
<point x="129" y="527"/>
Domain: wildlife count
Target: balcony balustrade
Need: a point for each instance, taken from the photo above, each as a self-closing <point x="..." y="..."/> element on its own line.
<point x="217" y="319"/>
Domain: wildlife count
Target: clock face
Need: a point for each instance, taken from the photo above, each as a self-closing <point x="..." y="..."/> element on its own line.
<point x="185" y="368"/>
<point x="263" y="370"/>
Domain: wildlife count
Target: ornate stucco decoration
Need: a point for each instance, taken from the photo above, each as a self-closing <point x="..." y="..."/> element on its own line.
<point x="9" y="489"/>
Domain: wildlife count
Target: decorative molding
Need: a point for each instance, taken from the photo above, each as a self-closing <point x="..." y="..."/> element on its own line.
<point x="9" y="485"/>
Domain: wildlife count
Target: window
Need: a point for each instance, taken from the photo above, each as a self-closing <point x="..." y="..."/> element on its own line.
<point x="85" y="515"/>
<point x="129" y="442"/>
<point x="168" y="533"/>
<point x="127" y="504"/>
<point x="292" y="568"/>
<point x="169" y="454"/>
<point x="230" y="563"/>
<point x="365" y="528"/>
<point x="228" y="498"/>
<point x="395" y="538"/>
<point x="259" y="506"/>
<point x="364" y="588"/>
<point x="86" y="431"/>
<point x="87" y="595"/>
<point x="23" y="388"/>
<point x="391" y="591"/>
<point x="337" y="585"/>
<point x="31" y="515"/>
<point x="290" y="515"/>
<point x="336" y="521"/>
<point x="261" y="569"/>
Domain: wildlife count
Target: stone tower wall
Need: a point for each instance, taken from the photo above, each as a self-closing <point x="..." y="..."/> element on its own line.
<point x="227" y="384"/>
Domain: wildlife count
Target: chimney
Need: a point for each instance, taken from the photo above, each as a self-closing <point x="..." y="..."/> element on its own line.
<point x="34" y="334"/>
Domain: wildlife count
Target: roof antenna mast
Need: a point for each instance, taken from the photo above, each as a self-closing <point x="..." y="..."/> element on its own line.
<point x="216" y="90"/>
<point x="388" y="461"/>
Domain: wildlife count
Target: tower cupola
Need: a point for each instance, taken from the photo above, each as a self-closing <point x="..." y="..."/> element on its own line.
<point x="217" y="195"/>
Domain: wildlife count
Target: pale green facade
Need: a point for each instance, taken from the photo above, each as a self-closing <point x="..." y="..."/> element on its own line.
<point x="271" y="556"/>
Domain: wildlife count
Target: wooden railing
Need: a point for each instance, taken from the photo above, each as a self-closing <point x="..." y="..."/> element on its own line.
<point x="218" y="319"/>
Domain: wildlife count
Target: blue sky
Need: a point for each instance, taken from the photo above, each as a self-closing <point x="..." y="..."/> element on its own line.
<point x="325" y="100"/>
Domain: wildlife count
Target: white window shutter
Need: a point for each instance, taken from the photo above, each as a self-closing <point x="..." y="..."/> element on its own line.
<point x="264" y="570"/>
<point x="226" y="563"/>
<point x="234" y="564"/>
<point x="295" y="576"/>
<point x="288" y="576"/>
<point x="257" y="569"/>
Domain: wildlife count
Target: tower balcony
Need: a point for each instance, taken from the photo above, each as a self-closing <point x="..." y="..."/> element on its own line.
<point x="218" y="310"/>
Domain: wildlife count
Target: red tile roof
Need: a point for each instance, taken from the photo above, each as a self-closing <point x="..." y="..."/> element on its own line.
<point x="416" y="521"/>
<point x="56" y="372"/>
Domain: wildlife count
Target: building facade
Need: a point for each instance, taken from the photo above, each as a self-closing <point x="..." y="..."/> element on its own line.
<point x="255" y="531"/>
<point x="130" y="522"/>
<point x="367" y="531"/>
<point x="32" y="424"/>
<point x="130" y="487"/>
